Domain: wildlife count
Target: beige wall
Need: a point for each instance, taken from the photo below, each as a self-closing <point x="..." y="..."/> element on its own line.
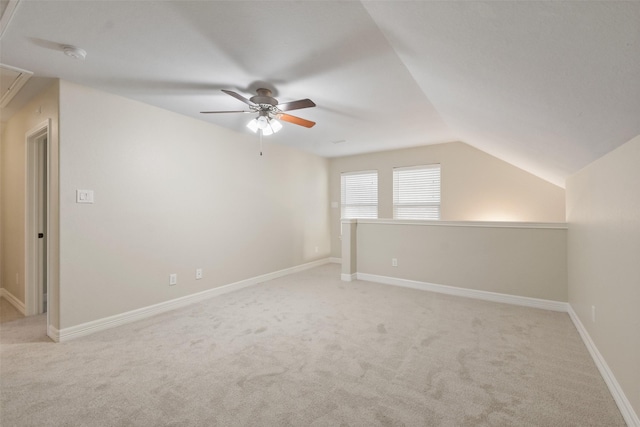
<point x="514" y="259"/>
<point x="42" y="108"/>
<point x="173" y="194"/>
<point x="475" y="186"/>
<point x="603" y="212"/>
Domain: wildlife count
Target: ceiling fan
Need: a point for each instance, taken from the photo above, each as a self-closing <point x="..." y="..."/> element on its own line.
<point x="269" y="110"/>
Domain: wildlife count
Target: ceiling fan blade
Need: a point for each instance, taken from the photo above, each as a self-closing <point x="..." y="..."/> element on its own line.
<point x="296" y="120"/>
<point x="215" y="112"/>
<point x="238" y="96"/>
<point x="296" y="105"/>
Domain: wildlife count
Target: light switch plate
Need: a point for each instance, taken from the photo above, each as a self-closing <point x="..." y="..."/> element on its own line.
<point x="84" y="196"/>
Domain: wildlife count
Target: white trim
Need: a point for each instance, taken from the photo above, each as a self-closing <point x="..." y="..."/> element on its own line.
<point x="416" y="167"/>
<point x="484" y="224"/>
<point x="87" y="328"/>
<point x="348" y="277"/>
<point x="629" y="415"/>
<point x="348" y="221"/>
<point x="335" y="260"/>
<point x="11" y="299"/>
<point x="23" y="76"/>
<point x="31" y="291"/>
<point x="53" y="333"/>
<point x="627" y="411"/>
<point x="467" y="293"/>
<point x="6" y="17"/>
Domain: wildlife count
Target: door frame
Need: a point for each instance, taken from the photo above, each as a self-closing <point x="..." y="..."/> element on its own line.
<point x="33" y="299"/>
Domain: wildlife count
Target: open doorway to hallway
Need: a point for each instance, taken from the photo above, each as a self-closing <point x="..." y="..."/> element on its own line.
<point x="37" y="220"/>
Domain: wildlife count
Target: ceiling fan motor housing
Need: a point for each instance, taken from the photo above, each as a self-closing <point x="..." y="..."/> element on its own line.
<point x="268" y="108"/>
<point x="264" y="97"/>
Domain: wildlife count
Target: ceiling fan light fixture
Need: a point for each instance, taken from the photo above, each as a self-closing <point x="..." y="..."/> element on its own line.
<point x="266" y="125"/>
<point x="269" y="110"/>
<point x="262" y="122"/>
<point x="275" y="125"/>
<point x="253" y="125"/>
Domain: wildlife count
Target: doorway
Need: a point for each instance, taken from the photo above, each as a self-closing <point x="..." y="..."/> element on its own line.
<point x="37" y="221"/>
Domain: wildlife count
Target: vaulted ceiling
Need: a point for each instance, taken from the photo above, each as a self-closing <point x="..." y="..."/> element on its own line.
<point x="546" y="86"/>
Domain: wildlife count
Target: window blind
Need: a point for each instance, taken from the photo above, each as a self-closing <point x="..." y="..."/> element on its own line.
<point x="416" y="192"/>
<point x="359" y="194"/>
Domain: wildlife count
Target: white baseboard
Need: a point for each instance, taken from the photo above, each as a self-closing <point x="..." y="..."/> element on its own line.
<point x="468" y="293"/>
<point x="53" y="333"/>
<point x="348" y="277"/>
<point x="88" y="328"/>
<point x="335" y="260"/>
<point x="629" y="415"/>
<point x="19" y="305"/>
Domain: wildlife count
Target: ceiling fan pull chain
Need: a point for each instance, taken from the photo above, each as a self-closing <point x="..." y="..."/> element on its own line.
<point x="260" y="131"/>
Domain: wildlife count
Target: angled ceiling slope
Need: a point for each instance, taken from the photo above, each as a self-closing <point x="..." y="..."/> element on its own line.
<point x="546" y="86"/>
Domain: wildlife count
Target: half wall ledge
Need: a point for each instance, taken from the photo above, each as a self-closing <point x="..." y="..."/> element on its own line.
<point x="514" y="258"/>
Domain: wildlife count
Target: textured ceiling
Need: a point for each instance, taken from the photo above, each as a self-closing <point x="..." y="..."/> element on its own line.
<point x="546" y="86"/>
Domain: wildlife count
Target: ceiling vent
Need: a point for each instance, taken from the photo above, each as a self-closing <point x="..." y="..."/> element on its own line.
<point x="11" y="81"/>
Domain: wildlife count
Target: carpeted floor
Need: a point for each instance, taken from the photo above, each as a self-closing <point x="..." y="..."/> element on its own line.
<point x="310" y="350"/>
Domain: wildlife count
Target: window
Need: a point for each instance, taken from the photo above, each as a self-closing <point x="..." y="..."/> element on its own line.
<point x="416" y="192"/>
<point x="359" y="194"/>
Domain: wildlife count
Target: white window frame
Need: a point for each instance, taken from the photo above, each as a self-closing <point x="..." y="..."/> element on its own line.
<point x="366" y="200"/>
<point x="426" y="192"/>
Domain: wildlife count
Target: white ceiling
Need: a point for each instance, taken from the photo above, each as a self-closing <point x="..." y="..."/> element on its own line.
<point x="546" y="86"/>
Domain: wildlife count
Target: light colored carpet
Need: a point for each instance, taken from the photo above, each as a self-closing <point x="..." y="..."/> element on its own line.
<point x="310" y="350"/>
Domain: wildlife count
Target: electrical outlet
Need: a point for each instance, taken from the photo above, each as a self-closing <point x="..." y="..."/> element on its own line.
<point x="173" y="279"/>
<point x="198" y="273"/>
<point x="394" y="262"/>
<point x="593" y="313"/>
<point x="316" y="249"/>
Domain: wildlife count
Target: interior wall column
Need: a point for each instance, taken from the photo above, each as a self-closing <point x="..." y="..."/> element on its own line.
<point x="349" y="249"/>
